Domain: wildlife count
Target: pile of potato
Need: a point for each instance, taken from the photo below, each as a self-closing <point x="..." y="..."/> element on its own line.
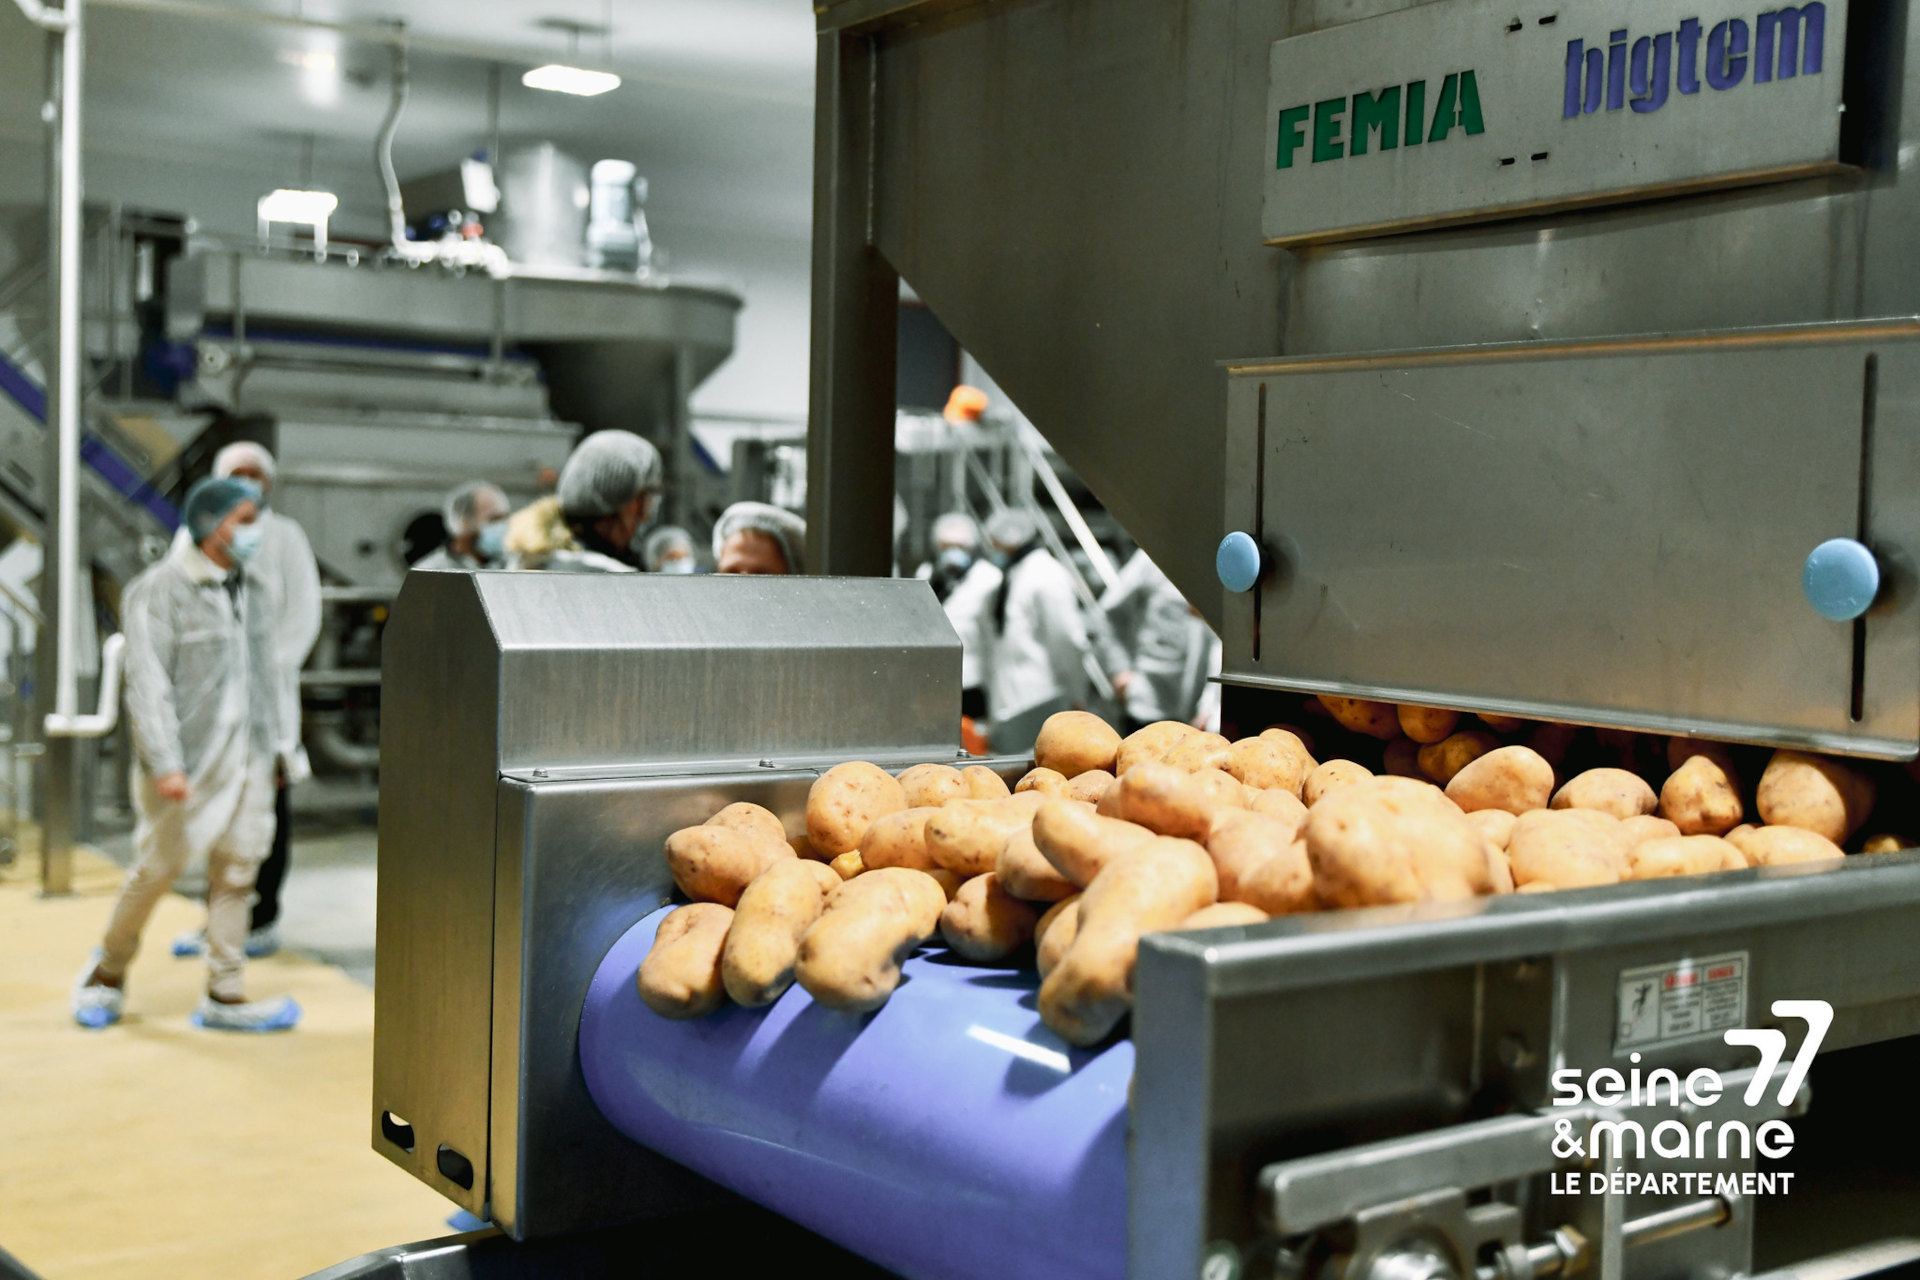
<point x="1107" y="839"/>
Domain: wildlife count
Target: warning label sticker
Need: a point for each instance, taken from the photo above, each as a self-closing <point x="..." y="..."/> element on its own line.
<point x="1663" y="1004"/>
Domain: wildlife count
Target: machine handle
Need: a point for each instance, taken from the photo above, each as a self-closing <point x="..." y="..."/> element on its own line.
<point x="1238" y="562"/>
<point x="1841" y="579"/>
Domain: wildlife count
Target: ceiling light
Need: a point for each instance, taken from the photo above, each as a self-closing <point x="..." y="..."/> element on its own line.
<point x="310" y="60"/>
<point x="307" y="207"/>
<point x="558" y="78"/>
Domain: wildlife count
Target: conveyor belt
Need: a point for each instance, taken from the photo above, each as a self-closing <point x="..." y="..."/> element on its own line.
<point x="948" y="1136"/>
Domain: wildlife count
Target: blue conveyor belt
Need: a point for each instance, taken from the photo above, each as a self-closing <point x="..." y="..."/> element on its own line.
<point x="947" y="1136"/>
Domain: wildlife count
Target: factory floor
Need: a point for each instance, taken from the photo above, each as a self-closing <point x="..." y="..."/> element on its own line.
<point x="154" y="1149"/>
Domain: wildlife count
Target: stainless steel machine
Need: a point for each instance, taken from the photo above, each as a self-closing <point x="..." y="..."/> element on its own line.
<point x="1532" y="351"/>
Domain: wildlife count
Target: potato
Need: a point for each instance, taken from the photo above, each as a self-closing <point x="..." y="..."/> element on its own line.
<point x="1375" y="719"/>
<point x="1025" y="873"/>
<point x="1647" y="827"/>
<point x="1163" y="799"/>
<point x="1886" y="844"/>
<point x="949" y="882"/>
<point x="1701" y="797"/>
<point x="1079" y="844"/>
<point x="1331" y="777"/>
<point x="1257" y="861"/>
<point x="850" y="958"/>
<point x="1613" y="791"/>
<point x="1277" y="802"/>
<point x="1499" y="866"/>
<point x="966" y="836"/>
<point x="751" y="819"/>
<point x="983" y="783"/>
<point x="1293" y="738"/>
<point x="1153" y="887"/>
<point x="1222" y="790"/>
<point x="1452" y="754"/>
<point x="774" y="913"/>
<point x="934" y="785"/>
<point x="1148" y="743"/>
<point x="824" y="875"/>
<point x="1814" y="794"/>
<point x="848" y="865"/>
<point x="715" y="864"/>
<point x="1269" y="764"/>
<point x="1680" y="856"/>
<point x="1198" y="751"/>
<point x="1046" y="781"/>
<point x="899" y="840"/>
<point x="680" y="978"/>
<point x="1091" y="786"/>
<point x="1223" y="915"/>
<point x="1512" y="778"/>
<point x="1567" y="848"/>
<point x="1109" y="805"/>
<point x="1426" y="724"/>
<point x="1391" y="840"/>
<point x="1073" y="742"/>
<point x="1494" y="825"/>
<point x="844" y="801"/>
<point x="1401" y="759"/>
<point x="1054" y="934"/>
<point x="985" y="923"/>
<point x="1501" y="724"/>
<point x="1680" y="749"/>
<point x="1776" y="846"/>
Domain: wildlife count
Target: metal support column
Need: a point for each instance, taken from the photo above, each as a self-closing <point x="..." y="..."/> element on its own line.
<point x="60" y="578"/>
<point x="856" y="300"/>
<point x="680" y="492"/>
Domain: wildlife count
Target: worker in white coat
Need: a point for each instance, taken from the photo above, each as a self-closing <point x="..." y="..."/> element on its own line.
<point x="1158" y="650"/>
<point x="476" y="518"/>
<point x="605" y="497"/>
<point x="286" y="580"/>
<point x="759" y="538"/>
<point x="966" y="584"/>
<point x="1039" y="649"/>
<point x="203" y="707"/>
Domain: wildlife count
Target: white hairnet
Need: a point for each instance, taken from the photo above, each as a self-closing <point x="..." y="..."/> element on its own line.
<point x="605" y="472"/>
<point x="956" y="529"/>
<point x="1011" y="528"/>
<point x="461" y="511"/>
<point x="662" y="540"/>
<point x="785" y="528"/>
<point x="244" y="453"/>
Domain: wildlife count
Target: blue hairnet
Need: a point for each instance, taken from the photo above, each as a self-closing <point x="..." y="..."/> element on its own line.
<point x="209" y="501"/>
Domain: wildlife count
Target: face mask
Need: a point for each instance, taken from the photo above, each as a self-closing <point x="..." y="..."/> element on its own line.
<point x="998" y="558"/>
<point x="259" y="495"/>
<point x="245" y="542"/>
<point x="954" y="561"/>
<point x="491" y="542"/>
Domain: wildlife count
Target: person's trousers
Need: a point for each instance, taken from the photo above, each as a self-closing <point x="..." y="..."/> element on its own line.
<point x="266" y="903"/>
<point x="162" y="851"/>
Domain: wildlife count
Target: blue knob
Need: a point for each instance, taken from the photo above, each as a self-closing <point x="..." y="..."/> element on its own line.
<point x="1237" y="562"/>
<point x="1841" y="579"/>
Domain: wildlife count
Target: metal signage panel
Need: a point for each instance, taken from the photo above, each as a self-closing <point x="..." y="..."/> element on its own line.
<point x="1470" y="109"/>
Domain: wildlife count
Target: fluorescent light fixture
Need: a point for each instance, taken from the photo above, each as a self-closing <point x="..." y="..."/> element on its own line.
<point x="304" y="207"/>
<point x="582" y="83"/>
<point x="310" y="60"/>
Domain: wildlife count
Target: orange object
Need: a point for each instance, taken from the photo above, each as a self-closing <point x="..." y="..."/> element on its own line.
<point x="966" y="404"/>
<point x="972" y="738"/>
